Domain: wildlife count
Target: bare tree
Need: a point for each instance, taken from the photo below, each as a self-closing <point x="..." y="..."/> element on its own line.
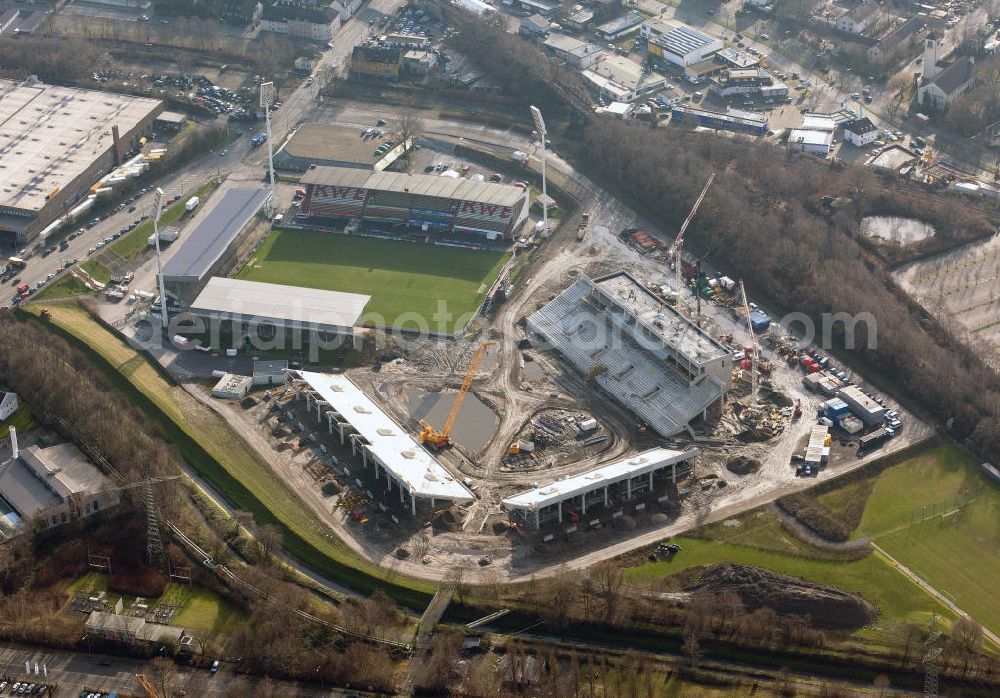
<point x="269" y="542"/>
<point x="607" y="581"/>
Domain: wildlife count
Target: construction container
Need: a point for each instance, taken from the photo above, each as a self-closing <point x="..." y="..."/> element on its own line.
<point x="759" y="321"/>
<point x="835" y="408"/>
<point x="585" y="425"/>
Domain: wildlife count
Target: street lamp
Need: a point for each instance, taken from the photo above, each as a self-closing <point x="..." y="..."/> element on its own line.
<point x="536" y="116"/>
<point x="157" y="208"/>
<point x="266" y="99"/>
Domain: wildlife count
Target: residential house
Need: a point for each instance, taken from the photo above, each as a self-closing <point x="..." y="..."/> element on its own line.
<point x="376" y="62"/>
<point x="301" y="22"/>
<point x="859" y="18"/>
<point x="897" y="43"/>
<point x="861" y="132"/>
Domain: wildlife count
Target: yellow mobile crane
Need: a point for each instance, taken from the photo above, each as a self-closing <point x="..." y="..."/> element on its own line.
<point x="442" y="438"/>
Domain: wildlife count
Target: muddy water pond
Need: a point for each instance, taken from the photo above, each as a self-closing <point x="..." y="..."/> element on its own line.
<point x="476" y="422"/>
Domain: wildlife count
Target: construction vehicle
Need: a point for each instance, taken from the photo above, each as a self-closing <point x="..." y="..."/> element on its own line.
<point x="675" y="250"/>
<point x="45" y="314"/>
<point x="442" y="439"/>
<point x="798" y="410"/>
<point x="581" y="230"/>
<point x="147" y="686"/>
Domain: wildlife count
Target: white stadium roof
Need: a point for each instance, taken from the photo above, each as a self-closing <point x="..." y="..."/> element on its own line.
<point x="278" y="304"/>
<point x="609" y="473"/>
<point x="408" y="461"/>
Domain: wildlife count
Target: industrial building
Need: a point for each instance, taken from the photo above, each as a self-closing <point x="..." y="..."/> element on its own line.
<point x="55" y="143"/>
<point x="810" y="140"/>
<point x="637" y="348"/>
<point x="396" y="457"/>
<point x="862" y="406"/>
<point x="750" y="82"/>
<point x="232" y="387"/>
<point x="258" y="309"/>
<point x="678" y="44"/>
<point x="53" y="485"/>
<point x="619" y="79"/>
<point x="131" y="629"/>
<point x="603" y="489"/>
<point x="214" y="246"/>
<point x="329" y="145"/>
<point x="730" y="120"/>
<point x="412" y="203"/>
<point x="579" y="54"/>
<point x="270" y="372"/>
<point x="620" y="26"/>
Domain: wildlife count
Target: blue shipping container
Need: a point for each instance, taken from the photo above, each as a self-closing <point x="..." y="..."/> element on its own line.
<point x="759" y="320"/>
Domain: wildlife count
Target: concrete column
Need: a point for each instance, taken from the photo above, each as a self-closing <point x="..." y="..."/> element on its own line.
<point x="605" y="495"/>
<point x="628" y="489"/>
<point x="401" y="493"/>
<point x="583" y="504"/>
<point x="413" y="505"/>
<point x="560" y="511"/>
<point x="433" y="504"/>
<point x="340" y="428"/>
<point x="538" y="520"/>
<point x="364" y="456"/>
<point x="673" y="474"/>
<point x="650" y="480"/>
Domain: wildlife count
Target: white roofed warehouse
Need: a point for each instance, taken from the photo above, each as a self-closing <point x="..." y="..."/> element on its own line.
<point x="603" y="491"/>
<point x="412" y="204"/>
<point x="409" y="470"/>
<point x="55" y="144"/>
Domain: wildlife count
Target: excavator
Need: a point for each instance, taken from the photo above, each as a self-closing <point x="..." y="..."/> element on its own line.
<point x="442" y="438"/>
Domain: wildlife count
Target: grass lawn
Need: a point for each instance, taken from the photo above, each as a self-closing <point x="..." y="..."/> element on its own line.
<point x="131" y="244"/>
<point x="97" y="271"/>
<point x="405" y="280"/>
<point x="957" y="550"/>
<point x="871" y="577"/>
<point x="22" y="420"/>
<point x="209" y="444"/>
<point x="65" y="286"/>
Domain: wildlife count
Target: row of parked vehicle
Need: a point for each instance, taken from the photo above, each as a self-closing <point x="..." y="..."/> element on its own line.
<point x="25" y="689"/>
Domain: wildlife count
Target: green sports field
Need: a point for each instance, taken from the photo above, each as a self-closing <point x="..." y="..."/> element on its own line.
<point x="407" y="281"/>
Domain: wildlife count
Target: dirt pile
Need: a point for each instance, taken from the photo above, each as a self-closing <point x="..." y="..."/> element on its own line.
<point x="742" y="465"/>
<point x="828" y="607"/>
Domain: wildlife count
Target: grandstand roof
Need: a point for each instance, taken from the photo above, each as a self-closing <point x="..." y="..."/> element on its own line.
<point x="215" y="232"/>
<point x="609" y="473"/>
<point x="420" y="184"/>
<point x="285" y="305"/>
<point x="408" y="461"/>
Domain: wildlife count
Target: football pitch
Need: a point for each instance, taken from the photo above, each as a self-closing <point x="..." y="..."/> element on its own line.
<point x="408" y="282"/>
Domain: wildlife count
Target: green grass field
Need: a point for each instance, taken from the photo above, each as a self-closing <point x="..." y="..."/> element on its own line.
<point x="956" y="549"/>
<point x="405" y="280"/>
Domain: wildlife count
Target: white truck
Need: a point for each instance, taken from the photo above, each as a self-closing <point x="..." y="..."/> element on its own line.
<point x="192" y="204"/>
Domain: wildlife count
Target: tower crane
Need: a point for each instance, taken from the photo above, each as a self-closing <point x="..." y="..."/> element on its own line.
<point x="753" y="347"/>
<point x="442" y="438"/>
<point x="679" y="240"/>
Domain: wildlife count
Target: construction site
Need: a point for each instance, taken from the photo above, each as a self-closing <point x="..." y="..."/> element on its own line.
<point x="616" y="396"/>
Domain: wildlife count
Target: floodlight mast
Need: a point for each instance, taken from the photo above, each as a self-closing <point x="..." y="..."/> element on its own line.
<point x="266" y="99"/>
<point x="536" y="116"/>
<point x="157" y="208"/>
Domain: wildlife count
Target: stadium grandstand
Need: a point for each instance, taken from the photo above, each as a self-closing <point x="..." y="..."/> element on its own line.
<point x="412" y="204"/>
<point x="639" y="349"/>
<point x="601" y="490"/>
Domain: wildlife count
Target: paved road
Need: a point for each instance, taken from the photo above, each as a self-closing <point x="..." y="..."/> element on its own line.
<point x="916" y="579"/>
<point x="73" y="671"/>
